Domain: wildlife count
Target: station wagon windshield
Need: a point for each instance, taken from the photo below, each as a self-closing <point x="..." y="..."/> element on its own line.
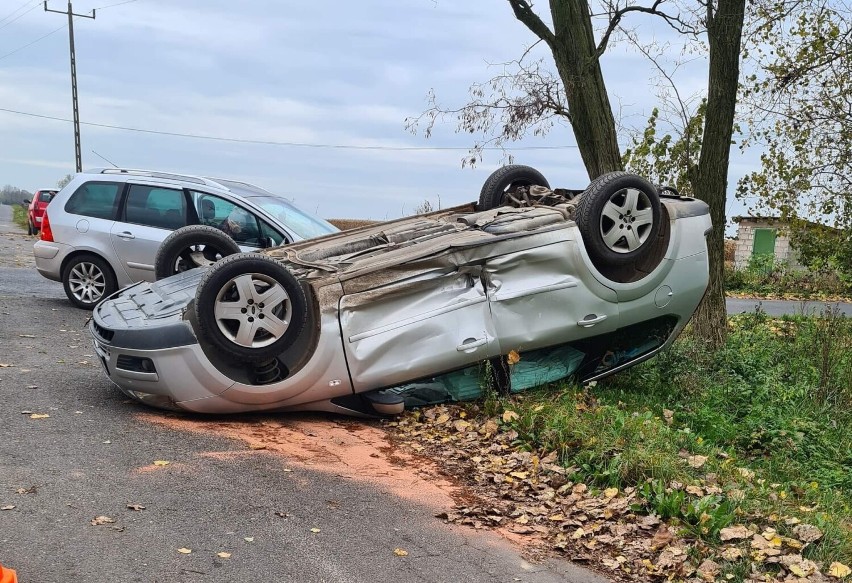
<point x="302" y="224"/>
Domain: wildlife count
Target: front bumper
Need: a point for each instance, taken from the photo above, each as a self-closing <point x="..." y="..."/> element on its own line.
<point x="162" y="377"/>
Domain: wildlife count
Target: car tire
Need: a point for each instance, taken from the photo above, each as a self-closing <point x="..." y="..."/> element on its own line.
<point x="504" y="180"/>
<point x="190" y="247"/>
<point x="619" y="218"/>
<point x="30" y="228"/>
<point x="231" y="314"/>
<point x="87" y="280"/>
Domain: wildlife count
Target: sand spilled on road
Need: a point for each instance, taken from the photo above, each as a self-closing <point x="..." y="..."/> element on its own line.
<point x="343" y="447"/>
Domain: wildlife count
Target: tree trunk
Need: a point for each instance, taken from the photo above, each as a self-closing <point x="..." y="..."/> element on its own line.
<point x="588" y="101"/>
<point x="710" y="180"/>
<point x="572" y="43"/>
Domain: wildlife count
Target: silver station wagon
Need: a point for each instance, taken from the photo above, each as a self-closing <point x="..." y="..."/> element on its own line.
<point x="103" y="230"/>
<point x="423" y="309"/>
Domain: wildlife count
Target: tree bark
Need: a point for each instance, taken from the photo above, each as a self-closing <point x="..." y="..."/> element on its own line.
<point x="710" y="179"/>
<point x="573" y="45"/>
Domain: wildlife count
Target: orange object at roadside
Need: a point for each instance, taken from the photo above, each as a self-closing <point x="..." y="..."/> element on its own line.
<point x="7" y="575"/>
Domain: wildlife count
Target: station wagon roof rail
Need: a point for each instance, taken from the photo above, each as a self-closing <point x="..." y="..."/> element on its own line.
<point x="163" y="175"/>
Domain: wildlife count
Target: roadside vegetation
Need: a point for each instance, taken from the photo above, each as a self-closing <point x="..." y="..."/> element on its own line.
<point x="766" y="277"/>
<point x="19" y="215"/>
<point x="744" y="454"/>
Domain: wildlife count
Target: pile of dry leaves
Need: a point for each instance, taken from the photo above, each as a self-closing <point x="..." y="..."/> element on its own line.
<point x="534" y="497"/>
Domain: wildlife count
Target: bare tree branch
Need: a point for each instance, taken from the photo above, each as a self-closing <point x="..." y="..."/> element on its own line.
<point x="524" y="12"/>
<point x="617" y="14"/>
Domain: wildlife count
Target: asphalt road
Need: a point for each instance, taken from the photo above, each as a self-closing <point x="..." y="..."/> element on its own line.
<point x="6" y="224"/>
<point x="280" y="519"/>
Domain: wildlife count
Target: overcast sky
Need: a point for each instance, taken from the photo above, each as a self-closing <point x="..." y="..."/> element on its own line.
<point x="319" y="72"/>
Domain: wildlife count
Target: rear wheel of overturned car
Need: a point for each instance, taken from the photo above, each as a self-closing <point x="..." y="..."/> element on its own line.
<point x="190" y="247"/>
<point x="87" y="280"/>
<point x="619" y="217"/>
<point x="250" y="307"/>
<point x="505" y="181"/>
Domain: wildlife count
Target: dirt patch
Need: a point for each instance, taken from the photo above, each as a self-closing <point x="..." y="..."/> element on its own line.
<point x="344" y="447"/>
<point x="17" y="250"/>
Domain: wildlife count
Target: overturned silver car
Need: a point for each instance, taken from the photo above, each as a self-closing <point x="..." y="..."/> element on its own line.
<point x="579" y="284"/>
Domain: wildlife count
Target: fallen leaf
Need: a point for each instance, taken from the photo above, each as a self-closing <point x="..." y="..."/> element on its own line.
<point x="443" y="418"/>
<point x="400" y="552"/>
<point x="2" y="365"/>
<point x="708" y="570"/>
<point x="223" y="555"/>
<point x="184" y="550"/>
<point x="696" y="461"/>
<point x="9" y="507"/>
<point x="610" y="492"/>
<point x="257" y="446"/>
<point x="513" y="357"/>
<point x="509" y="416"/>
<point x="734" y="532"/>
<point x="461" y="426"/>
<point x="248" y="539"/>
<point x="315" y="530"/>
<point x="839" y="570"/>
<point x="161" y="463"/>
<point x="807" y="533"/>
<point x="136" y="507"/>
<point x="732" y="554"/>
<point x="99" y="520"/>
<point x="695" y="490"/>
<point x="662" y="537"/>
<point x="668" y="415"/>
<point x="39" y="416"/>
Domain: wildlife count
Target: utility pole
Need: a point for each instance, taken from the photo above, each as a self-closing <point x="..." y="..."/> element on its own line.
<point x="77" y="152"/>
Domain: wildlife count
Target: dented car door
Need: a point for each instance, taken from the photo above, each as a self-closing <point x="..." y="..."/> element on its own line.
<point x="434" y="322"/>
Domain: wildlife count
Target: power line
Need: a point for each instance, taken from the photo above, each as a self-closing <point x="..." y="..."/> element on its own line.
<point x="41" y="38"/>
<point x="16" y="10"/>
<point x="289" y="144"/>
<point x="116" y="4"/>
<point x="78" y="155"/>
<point x="10" y="53"/>
<point x="20" y="15"/>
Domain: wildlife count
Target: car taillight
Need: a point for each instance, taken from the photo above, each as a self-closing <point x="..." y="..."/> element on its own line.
<point x="46" y="233"/>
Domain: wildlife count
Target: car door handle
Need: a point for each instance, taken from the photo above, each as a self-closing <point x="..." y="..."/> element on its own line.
<point x="471" y="344"/>
<point x="127" y="235"/>
<point x="591" y="320"/>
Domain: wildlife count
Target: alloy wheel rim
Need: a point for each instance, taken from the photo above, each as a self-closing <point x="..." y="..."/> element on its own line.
<point x="253" y="310"/>
<point x="626" y="220"/>
<point x="87" y="282"/>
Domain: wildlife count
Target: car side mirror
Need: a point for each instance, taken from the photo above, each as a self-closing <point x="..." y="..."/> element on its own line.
<point x="267" y="242"/>
<point x="27" y="202"/>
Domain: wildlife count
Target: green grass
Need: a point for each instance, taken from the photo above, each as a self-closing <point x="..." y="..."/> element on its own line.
<point x="771" y="411"/>
<point x="19" y="215"/>
<point x="766" y="277"/>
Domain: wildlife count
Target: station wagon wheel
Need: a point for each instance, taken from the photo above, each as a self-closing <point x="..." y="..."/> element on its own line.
<point x="619" y="217"/>
<point x="504" y="181"/>
<point x="190" y="247"/>
<point x="250" y="307"/>
<point x="87" y="280"/>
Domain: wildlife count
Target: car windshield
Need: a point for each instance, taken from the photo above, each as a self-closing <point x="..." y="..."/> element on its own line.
<point x="300" y="222"/>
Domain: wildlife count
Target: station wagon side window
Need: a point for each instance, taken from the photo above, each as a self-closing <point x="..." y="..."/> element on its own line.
<point x="95" y="199"/>
<point x="163" y="208"/>
<point x="240" y="224"/>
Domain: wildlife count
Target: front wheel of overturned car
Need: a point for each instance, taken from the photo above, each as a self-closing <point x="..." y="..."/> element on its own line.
<point x="505" y="181"/>
<point x="619" y="218"/>
<point x="250" y="307"/>
<point x="87" y="280"/>
<point x="190" y="247"/>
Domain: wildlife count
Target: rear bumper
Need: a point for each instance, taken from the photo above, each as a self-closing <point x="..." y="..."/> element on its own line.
<point x="49" y="257"/>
